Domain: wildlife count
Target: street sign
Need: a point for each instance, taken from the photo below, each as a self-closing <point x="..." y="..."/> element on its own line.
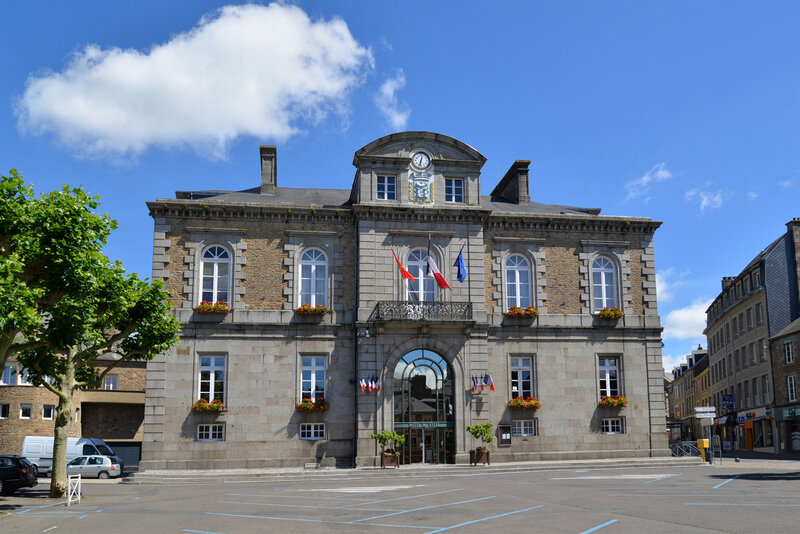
<point x="727" y="401"/>
<point x="705" y="412"/>
<point x="705" y="409"/>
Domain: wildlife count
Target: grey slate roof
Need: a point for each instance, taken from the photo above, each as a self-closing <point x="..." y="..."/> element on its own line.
<point x="792" y="328"/>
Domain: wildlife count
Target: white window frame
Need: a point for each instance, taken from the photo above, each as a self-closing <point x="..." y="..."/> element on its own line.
<point x="29" y="407"/>
<point x="523" y="427"/>
<point x="417" y="265"/>
<point x="112" y="381"/>
<point x="10" y="375"/>
<point x="454" y="190"/>
<point x="213" y="366"/>
<point x="788" y="352"/>
<point x="791" y="388"/>
<point x="312" y="431"/>
<point x="48" y="411"/>
<point x="311" y="384"/>
<point x="518" y="276"/>
<point x="313" y="273"/>
<point x="216" y="255"/>
<point x="520" y="364"/>
<point x="5" y="411"/>
<point x="386" y="188"/>
<point x="604" y="280"/>
<point x="211" y="432"/>
<point x="609" y="368"/>
<point x="612" y="425"/>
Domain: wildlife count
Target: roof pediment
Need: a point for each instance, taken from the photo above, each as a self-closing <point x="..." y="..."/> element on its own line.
<point x="400" y="146"/>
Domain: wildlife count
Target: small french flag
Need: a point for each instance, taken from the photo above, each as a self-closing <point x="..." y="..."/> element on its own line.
<point x="488" y="381"/>
<point x="363" y="384"/>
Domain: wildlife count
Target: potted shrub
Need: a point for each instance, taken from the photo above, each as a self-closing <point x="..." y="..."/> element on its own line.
<point x="389" y="442"/>
<point x="515" y="312"/>
<point x="610" y="313"/>
<point x="616" y="401"/>
<point x="212" y="307"/>
<point x="319" y="405"/>
<point x="202" y="405"/>
<point x="524" y="403"/>
<point x="480" y="454"/>
<point x="307" y="310"/>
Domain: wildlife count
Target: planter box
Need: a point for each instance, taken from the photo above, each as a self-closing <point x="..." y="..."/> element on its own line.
<point x="476" y="458"/>
<point x="390" y="460"/>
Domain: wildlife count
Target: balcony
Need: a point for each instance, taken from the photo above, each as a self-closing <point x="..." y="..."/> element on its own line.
<point x="403" y="311"/>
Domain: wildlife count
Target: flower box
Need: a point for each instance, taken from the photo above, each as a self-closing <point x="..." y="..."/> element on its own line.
<point x="313" y="406"/>
<point x="617" y="401"/>
<point x="515" y="312"/>
<point x="390" y="459"/>
<point x="480" y="456"/>
<point x="217" y="307"/>
<point x="610" y="313"/>
<point x="524" y="403"/>
<point x="202" y="405"/>
<point x="307" y="310"/>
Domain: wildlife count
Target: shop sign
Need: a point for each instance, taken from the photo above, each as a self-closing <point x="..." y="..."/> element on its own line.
<point x="424" y="424"/>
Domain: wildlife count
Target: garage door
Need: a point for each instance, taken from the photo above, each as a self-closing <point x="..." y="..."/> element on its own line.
<point x="130" y="453"/>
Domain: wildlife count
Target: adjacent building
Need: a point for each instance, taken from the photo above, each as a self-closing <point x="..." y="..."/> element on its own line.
<point x="688" y="390"/>
<point x="753" y="307"/>
<point x="397" y="349"/>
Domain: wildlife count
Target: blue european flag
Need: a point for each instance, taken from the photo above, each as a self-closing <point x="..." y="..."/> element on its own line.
<point x="462" y="268"/>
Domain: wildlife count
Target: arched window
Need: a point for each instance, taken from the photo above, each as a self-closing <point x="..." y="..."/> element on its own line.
<point x="518" y="281"/>
<point x="313" y="277"/>
<point x="216" y="274"/>
<point x="424" y="289"/>
<point x="604" y="284"/>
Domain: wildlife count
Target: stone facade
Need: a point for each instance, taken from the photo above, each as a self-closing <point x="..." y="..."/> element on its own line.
<point x="414" y="194"/>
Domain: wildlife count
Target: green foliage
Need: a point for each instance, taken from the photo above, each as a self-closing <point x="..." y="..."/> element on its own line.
<point x="482" y="432"/>
<point x="388" y="439"/>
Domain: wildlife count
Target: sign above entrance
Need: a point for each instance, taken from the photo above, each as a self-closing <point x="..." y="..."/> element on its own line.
<point x="424" y="424"/>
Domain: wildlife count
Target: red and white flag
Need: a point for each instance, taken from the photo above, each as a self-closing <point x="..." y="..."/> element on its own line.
<point x="474" y="384"/>
<point x="378" y="384"/>
<point x="363" y="384"/>
<point x="488" y="381"/>
<point x="403" y="272"/>
<point x="433" y="270"/>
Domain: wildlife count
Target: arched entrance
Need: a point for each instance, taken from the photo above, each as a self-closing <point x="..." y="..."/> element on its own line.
<point x="424" y="411"/>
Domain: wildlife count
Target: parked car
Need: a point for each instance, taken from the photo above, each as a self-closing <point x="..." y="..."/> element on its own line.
<point x="94" y="466"/>
<point x="39" y="451"/>
<point x="15" y="472"/>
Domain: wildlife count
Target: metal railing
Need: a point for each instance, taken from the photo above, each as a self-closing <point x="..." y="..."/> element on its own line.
<point x="424" y="311"/>
<point x="685" y="448"/>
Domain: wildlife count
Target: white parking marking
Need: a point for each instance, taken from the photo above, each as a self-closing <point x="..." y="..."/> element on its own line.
<point x="364" y="489"/>
<point x="618" y="477"/>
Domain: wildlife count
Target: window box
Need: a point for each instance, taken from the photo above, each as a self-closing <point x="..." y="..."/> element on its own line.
<point x="480" y="456"/>
<point x="526" y="403"/>
<point x="515" y="312"/>
<point x="307" y="310"/>
<point x="616" y="401"/>
<point x="319" y="405"/>
<point x="390" y="459"/>
<point x="217" y="307"/>
<point x="610" y="313"/>
<point x="202" y="405"/>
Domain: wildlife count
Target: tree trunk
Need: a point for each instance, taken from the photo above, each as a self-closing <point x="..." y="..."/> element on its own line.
<point x="63" y="424"/>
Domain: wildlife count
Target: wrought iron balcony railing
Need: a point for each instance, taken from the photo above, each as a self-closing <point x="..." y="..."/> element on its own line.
<point x="424" y="311"/>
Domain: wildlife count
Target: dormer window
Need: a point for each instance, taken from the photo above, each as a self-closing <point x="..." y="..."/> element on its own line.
<point x="454" y="190"/>
<point x="387" y="189"/>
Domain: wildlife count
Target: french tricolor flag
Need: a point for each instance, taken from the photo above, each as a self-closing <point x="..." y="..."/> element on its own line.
<point x="433" y="270"/>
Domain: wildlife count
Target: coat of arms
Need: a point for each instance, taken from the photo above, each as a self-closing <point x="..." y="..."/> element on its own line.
<point x="421" y="187"/>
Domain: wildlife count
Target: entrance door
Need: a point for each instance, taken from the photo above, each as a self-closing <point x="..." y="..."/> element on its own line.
<point x="423" y="407"/>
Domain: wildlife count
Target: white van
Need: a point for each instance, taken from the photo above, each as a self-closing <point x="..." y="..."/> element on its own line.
<point x="39" y="451"/>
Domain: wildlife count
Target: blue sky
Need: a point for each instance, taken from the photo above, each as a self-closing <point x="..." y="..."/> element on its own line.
<point x="686" y="112"/>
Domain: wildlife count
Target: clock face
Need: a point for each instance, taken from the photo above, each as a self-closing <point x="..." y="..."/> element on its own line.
<point x="420" y="160"/>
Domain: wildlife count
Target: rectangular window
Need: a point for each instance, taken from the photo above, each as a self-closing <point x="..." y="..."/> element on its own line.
<point x="386" y="188"/>
<point x="753" y="353"/>
<point x="727" y="332"/>
<point x="312" y="379"/>
<point x="9" y="375"/>
<point x="111" y="382"/>
<point x="762" y="346"/>
<point x="47" y="411"/>
<point x="212" y="378"/>
<point x="756" y="279"/>
<point x="730" y="365"/>
<point x="741" y="324"/>
<point x="312" y="431"/>
<point x="738" y="361"/>
<point x="749" y="315"/>
<point x="211" y="432"/>
<point x="746" y="393"/>
<point x="735" y="328"/>
<point x="612" y="426"/>
<point x="759" y="314"/>
<point x="788" y="351"/>
<point x="523" y="427"/>
<point x="25" y="411"/>
<point x="791" y="389"/>
<point x="521" y="377"/>
<point x="609" y="377"/>
<point x="454" y="190"/>
<point x="5" y="409"/>
<point x="756" y="398"/>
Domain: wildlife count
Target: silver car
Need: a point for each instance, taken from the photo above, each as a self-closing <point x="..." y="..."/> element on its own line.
<point x="94" y="466"/>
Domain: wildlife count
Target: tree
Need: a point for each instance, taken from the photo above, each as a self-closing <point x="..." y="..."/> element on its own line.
<point x="74" y="305"/>
<point x="47" y="246"/>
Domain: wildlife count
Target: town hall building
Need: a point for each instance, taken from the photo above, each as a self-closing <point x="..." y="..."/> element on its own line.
<point x="383" y="344"/>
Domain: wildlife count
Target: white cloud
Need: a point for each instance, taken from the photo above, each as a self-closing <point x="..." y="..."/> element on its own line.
<point x="641" y="186"/>
<point x="386" y="100"/>
<point x="705" y="199"/>
<point x="786" y="184"/>
<point x="243" y="70"/>
<point x="688" y="322"/>
<point x="752" y="195"/>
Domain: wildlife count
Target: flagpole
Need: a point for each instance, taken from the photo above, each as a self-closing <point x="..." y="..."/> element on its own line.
<point x="469" y="269"/>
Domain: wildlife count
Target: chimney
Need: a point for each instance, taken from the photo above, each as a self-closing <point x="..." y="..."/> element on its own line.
<point x="727" y="281"/>
<point x="514" y="185"/>
<point x="269" y="169"/>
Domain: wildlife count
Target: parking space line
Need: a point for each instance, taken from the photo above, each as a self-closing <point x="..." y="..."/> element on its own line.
<point x="598" y="527"/>
<point x="200" y="531"/>
<point x="484" y="519"/>
<point x="723" y="483"/>
<point x="401" y="498"/>
<point x="342" y="498"/>
<point x="663" y="478"/>
<point x="741" y="504"/>
<point x="305" y="520"/>
<point x="307" y="506"/>
<point x="422" y="508"/>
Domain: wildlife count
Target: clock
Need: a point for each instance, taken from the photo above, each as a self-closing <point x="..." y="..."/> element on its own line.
<point x="420" y="160"/>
